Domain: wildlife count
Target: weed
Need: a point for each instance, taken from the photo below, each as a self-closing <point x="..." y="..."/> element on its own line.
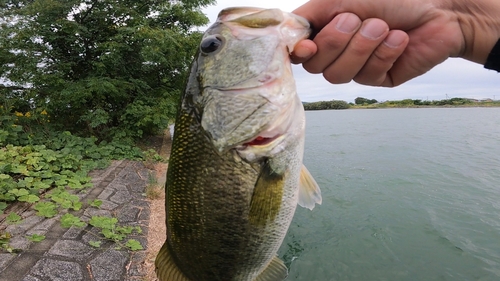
<point x="36" y="238"/>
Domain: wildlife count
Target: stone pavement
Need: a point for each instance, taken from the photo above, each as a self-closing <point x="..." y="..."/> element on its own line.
<point x="65" y="254"/>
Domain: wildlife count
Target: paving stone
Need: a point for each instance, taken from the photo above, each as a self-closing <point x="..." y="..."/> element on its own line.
<point x="90" y="212"/>
<point x="5" y="258"/>
<point x="128" y="214"/>
<point x="73" y="232"/>
<point x="71" y="249"/>
<point x="137" y="186"/>
<point x="144" y="214"/>
<point x="94" y="234"/>
<point x="28" y="213"/>
<point x="56" y="270"/>
<point x="30" y="278"/>
<point x="42" y="227"/>
<point x="19" y="242"/>
<point x="109" y="266"/>
<point x="106" y="193"/>
<point x="116" y="185"/>
<point x="27" y="223"/>
<point x="121" y="196"/>
<point x="107" y="205"/>
<point x="141" y="203"/>
<point x="136" y="266"/>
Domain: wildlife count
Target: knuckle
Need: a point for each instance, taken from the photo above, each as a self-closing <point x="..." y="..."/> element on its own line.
<point x="369" y="81"/>
<point x="336" y="78"/>
<point x="312" y="67"/>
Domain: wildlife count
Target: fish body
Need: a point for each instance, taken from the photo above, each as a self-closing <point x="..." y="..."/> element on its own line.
<point x="235" y="173"/>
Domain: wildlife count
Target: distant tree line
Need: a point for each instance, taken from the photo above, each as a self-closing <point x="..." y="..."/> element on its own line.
<point x="361" y="102"/>
<point x="364" y="101"/>
<point x="417" y="102"/>
<point x="323" y="105"/>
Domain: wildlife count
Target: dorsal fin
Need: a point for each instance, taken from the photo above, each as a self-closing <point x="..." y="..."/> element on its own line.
<point x="275" y="271"/>
<point x="309" y="192"/>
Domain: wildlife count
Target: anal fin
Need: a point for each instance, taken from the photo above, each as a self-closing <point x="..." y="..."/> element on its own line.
<point x="309" y="192"/>
<point x="165" y="267"/>
<point x="275" y="271"/>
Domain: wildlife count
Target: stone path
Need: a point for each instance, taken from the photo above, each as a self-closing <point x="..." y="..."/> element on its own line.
<point x="65" y="254"/>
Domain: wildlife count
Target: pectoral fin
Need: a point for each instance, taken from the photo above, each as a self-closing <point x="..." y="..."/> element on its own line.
<point x="275" y="271"/>
<point x="165" y="267"/>
<point x="309" y="192"/>
<point x="267" y="196"/>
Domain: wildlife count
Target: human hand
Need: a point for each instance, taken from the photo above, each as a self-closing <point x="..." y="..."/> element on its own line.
<point x="388" y="42"/>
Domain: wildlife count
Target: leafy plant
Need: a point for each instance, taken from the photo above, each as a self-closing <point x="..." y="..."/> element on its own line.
<point x="4" y="242"/>
<point x="36" y="238"/>
<point x="13" y="218"/>
<point x="95" y="244"/>
<point x="133" y="245"/>
<point x="95" y="203"/>
<point x="110" y="230"/>
<point x="46" y="209"/>
<point x="69" y="220"/>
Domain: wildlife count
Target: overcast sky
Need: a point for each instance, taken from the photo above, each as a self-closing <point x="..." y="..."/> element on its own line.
<point x="453" y="78"/>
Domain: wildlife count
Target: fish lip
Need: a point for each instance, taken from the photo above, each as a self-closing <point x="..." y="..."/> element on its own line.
<point x="266" y="81"/>
<point x="256" y="142"/>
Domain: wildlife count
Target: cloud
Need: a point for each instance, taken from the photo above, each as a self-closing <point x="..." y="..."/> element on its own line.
<point x="453" y="78"/>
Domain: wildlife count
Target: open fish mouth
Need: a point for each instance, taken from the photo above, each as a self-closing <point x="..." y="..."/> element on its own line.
<point x="261" y="147"/>
<point x="259" y="141"/>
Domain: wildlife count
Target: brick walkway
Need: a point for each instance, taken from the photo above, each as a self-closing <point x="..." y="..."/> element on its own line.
<point x="65" y="253"/>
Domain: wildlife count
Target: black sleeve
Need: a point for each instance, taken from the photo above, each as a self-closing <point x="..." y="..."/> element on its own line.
<point x="493" y="61"/>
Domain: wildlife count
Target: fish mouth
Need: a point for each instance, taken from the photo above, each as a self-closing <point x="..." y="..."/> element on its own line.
<point x="260" y="141"/>
<point x="261" y="147"/>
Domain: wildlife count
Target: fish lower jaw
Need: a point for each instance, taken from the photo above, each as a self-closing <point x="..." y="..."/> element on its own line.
<point x="261" y="147"/>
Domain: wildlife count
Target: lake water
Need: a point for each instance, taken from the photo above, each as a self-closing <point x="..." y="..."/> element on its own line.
<point x="408" y="194"/>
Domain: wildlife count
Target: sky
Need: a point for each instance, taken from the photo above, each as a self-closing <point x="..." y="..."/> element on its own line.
<point x="453" y="78"/>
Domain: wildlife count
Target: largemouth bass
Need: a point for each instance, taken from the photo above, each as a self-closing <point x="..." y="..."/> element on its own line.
<point x="235" y="174"/>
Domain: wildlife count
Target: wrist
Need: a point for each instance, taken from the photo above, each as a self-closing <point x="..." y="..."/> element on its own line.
<point x="480" y="25"/>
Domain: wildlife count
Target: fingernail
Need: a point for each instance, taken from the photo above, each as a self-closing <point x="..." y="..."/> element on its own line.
<point x="348" y="23"/>
<point x="373" y="29"/>
<point x="395" y="39"/>
<point x="301" y="52"/>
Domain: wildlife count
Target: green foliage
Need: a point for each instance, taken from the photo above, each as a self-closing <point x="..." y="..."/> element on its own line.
<point x="95" y="203"/>
<point x="13" y="218"/>
<point x="4" y="242"/>
<point x="323" y="105"/>
<point x="133" y="245"/>
<point x="453" y="102"/>
<point x="110" y="230"/>
<point x="46" y="209"/>
<point x="3" y="206"/>
<point x="361" y="101"/>
<point x="36" y="238"/>
<point x="31" y="164"/>
<point x="69" y="220"/>
<point x="95" y="244"/>
<point x="111" y="69"/>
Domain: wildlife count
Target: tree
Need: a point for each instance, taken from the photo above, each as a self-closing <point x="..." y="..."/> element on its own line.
<point x="361" y="101"/>
<point x="322" y="105"/>
<point x="98" y="67"/>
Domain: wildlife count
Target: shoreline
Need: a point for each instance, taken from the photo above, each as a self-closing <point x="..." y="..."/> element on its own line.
<point x="414" y="106"/>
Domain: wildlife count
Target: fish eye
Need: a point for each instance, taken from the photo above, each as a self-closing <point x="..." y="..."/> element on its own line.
<point x="211" y="44"/>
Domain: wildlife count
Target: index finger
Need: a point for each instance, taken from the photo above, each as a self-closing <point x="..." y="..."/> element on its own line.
<point x="318" y="13"/>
